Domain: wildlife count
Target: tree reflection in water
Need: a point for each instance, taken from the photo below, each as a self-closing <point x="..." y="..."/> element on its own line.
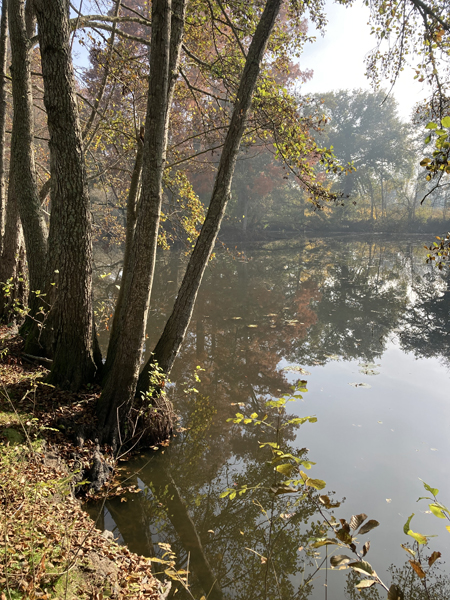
<point x="256" y="311"/>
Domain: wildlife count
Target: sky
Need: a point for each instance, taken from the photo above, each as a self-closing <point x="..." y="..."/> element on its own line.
<point x="337" y="59"/>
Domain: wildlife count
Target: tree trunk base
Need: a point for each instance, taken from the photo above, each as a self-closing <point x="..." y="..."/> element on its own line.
<point x="148" y="423"/>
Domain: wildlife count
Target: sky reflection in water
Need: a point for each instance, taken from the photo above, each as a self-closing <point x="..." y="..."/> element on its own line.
<point x="367" y="325"/>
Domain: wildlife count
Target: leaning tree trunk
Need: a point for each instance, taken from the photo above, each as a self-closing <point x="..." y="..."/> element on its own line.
<point x="3" y="107"/>
<point x="69" y="326"/>
<point x="127" y="339"/>
<point x="172" y="337"/>
<point x="22" y="165"/>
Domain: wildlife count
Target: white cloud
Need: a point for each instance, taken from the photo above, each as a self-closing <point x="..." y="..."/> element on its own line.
<point x="337" y="58"/>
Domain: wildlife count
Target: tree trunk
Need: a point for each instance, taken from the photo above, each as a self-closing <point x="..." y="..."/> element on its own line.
<point x="22" y="165"/>
<point x="3" y="107"/>
<point x="127" y="339"/>
<point x="12" y="265"/>
<point x="172" y="337"/>
<point x="69" y="326"/>
<point x="130" y="228"/>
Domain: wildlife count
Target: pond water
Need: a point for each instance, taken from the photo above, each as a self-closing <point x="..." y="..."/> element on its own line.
<point x="366" y="324"/>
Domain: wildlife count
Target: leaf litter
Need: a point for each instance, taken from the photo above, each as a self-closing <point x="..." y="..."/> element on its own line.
<point x="50" y="547"/>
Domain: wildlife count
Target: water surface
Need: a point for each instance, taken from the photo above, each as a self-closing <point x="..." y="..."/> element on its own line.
<point x="367" y="325"/>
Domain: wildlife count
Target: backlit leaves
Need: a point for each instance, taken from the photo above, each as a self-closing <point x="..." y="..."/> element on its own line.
<point x="356" y="520"/>
<point x="365" y="583"/>
<point x="368" y="527"/>
<point x="395" y="593"/>
<point x="340" y="560"/>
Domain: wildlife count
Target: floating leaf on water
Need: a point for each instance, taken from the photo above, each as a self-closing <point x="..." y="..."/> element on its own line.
<point x="369" y="372"/>
<point x="297" y="369"/>
<point x="433" y="449"/>
<point x="388" y="500"/>
<point x="252" y="326"/>
<point x="363" y="385"/>
<point x="333" y="356"/>
<point x="236" y="318"/>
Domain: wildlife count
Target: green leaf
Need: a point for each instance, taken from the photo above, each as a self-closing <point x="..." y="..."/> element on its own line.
<point x="431" y="125"/>
<point x="271" y="444"/>
<point x="430" y="489"/>
<point x="406" y="527"/>
<point x="428" y="139"/>
<point x="445" y="122"/>
<point x="285" y="469"/>
<point x="307" y="464"/>
<point x="365" y="583"/>
<point x="317" y="484"/>
<point x="437" y="511"/>
<point x="418" y="537"/>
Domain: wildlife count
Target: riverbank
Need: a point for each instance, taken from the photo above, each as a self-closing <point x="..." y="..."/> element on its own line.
<point x="49" y="547"/>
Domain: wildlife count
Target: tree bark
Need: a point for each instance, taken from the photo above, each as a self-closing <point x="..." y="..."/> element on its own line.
<point x="3" y="107"/>
<point x="22" y="165"/>
<point x="69" y="325"/>
<point x="127" y="339"/>
<point x="12" y="266"/>
<point x="130" y="228"/>
<point x="172" y="337"/>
